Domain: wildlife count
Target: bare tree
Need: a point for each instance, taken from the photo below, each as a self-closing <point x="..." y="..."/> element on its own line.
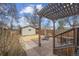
<point x="8" y="13"/>
<point x="33" y="19"/>
<point x="73" y="20"/>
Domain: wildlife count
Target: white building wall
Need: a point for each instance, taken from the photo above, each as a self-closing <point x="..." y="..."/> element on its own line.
<point x="28" y="31"/>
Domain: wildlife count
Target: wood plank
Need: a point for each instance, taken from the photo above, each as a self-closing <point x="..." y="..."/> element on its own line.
<point x="55" y="8"/>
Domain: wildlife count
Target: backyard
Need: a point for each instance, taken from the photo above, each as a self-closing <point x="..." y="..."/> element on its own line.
<point x="39" y="29"/>
<point x="30" y="37"/>
<point x="30" y="45"/>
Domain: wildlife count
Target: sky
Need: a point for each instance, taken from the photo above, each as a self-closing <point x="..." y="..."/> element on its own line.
<point x="28" y="9"/>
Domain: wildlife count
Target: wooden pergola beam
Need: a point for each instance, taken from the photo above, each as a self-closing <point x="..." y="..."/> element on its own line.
<point x="55" y="11"/>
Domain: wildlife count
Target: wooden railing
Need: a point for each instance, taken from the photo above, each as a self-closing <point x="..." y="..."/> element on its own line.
<point x="64" y="32"/>
<point x="65" y="43"/>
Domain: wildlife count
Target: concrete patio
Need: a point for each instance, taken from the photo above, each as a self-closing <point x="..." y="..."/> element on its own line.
<point x="32" y="49"/>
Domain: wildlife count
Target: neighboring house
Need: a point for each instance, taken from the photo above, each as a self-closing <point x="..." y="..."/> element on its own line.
<point x="28" y="30"/>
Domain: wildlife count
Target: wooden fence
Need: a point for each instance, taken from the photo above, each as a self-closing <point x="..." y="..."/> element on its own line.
<point x="9" y="43"/>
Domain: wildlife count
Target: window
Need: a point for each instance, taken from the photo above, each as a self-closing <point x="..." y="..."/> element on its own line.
<point x="29" y="29"/>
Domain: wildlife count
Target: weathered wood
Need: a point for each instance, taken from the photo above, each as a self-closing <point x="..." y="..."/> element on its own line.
<point x="64" y="32"/>
<point x="53" y="35"/>
<point x="39" y="32"/>
<point x="55" y="11"/>
<point x="66" y="45"/>
<point x="64" y="51"/>
<point x="9" y="43"/>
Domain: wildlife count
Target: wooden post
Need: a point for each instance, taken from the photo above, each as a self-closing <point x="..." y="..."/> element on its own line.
<point x="75" y="39"/>
<point x="61" y="39"/>
<point x="74" y="36"/>
<point x="39" y="32"/>
<point x="53" y="35"/>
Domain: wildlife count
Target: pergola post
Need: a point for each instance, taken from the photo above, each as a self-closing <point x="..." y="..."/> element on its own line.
<point x="53" y="35"/>
<point x="75" y="39"/>
<point x="39" y="44"/>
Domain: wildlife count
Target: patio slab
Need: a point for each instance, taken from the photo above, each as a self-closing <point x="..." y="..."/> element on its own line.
<point x="32" y="49"/>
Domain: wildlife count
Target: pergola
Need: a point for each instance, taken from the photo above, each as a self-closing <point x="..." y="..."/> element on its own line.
<point x="55" y="11"/>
